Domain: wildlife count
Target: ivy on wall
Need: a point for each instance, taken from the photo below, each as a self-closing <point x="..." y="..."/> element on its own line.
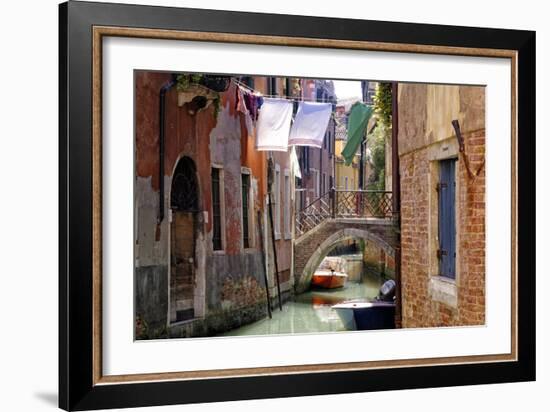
<point x="377" y="140"/>
<point x="383" y="103"/>
<point x="183" y="81"/>
<point x="376" y="143"/>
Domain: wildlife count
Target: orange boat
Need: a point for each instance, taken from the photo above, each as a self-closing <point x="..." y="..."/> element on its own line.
<point x="328" y="279"/>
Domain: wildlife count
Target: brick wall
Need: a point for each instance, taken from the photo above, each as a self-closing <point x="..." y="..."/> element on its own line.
<point x="420" y="308"/>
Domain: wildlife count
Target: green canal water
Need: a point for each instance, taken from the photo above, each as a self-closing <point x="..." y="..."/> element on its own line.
<point x="311" y="312"/>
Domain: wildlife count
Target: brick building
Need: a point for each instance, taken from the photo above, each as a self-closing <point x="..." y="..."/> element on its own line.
<point x="442" y="205"/>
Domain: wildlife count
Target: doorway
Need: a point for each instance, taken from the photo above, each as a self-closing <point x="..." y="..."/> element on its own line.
<point x="184" y="207"/>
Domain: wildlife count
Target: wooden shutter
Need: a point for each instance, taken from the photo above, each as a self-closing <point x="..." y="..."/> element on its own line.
<point x="447" y="218"/>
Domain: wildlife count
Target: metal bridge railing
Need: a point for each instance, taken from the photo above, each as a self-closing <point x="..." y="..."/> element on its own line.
<point x="344" y="204"/>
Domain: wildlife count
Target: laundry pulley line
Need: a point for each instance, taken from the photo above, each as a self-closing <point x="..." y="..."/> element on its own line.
<point x="275" y="96"/>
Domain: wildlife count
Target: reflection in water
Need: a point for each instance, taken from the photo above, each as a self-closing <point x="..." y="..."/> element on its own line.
<point x="311" y="312"/>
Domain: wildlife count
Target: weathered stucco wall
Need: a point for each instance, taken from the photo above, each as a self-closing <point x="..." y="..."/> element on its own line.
<point x="343" y="171"/>
<point x="229" y="283"/>
<point x="425" y="137"/>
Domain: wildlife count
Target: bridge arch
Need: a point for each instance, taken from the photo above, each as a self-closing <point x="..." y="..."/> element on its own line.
<point x="304" y="274"/>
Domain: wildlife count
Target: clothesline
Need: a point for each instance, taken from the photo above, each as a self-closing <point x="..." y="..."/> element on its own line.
<point x="274" y="96"/>
<point x="278" y="126"/>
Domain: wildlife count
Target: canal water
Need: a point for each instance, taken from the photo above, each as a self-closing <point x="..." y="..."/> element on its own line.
<point x="311" y="312"/>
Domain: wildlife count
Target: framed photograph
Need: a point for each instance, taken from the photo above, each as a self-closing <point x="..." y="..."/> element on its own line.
<point x="256" y="205"/>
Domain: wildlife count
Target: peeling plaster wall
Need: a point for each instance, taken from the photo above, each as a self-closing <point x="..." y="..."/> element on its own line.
<point x="229" y="283"/>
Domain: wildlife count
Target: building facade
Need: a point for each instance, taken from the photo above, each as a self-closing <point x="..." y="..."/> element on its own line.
<point x="346" y="176"/>
<point x="316" y="165"/>
<point x="200" y="200"/>
<point x="442" y="205"/>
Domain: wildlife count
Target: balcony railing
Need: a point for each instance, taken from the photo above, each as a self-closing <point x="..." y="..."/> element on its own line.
<point x="344" y="204"/>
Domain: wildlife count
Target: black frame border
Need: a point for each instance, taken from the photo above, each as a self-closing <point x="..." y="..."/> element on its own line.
<point x="76" y="388"/>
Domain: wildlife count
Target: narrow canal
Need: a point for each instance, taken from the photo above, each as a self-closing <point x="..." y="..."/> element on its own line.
<point x="311" y="312"/>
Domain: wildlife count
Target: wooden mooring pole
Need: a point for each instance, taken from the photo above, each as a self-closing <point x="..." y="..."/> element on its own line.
<point x="275" y="252"/>
<point x="263" y="260"/>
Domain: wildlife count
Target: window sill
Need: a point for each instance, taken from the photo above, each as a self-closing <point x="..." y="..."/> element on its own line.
<point x="443" y="289"/>
<point x="218" y="252"/>
<point x="277" y="236"/>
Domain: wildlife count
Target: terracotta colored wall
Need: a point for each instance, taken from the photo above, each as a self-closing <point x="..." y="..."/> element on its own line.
<point x="209" y="139"/>
<point x="203" y="138"/>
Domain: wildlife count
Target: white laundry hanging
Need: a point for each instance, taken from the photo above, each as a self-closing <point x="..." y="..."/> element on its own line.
<point x="273" y="125"/>
<point x="310" y="124"/>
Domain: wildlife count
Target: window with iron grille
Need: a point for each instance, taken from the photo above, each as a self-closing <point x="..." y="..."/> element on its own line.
<point x="277" y="201"/>
<point x="216" y="209"/>
<point x="287" y="205"/>
<point x="245" y="191"/>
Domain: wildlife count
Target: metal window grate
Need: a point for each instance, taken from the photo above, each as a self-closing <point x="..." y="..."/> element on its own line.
<point x="216" y="210"/>
<point x="245" y="191"/>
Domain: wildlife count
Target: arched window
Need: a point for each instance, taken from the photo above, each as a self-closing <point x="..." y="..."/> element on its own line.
<point x="185" y="188"/>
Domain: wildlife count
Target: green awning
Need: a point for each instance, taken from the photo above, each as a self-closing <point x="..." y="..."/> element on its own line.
<point x="358" y="120"/>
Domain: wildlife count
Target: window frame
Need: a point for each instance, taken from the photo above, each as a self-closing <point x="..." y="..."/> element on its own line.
<point x="452" y="207"/>
<point x="221" y="189"/>
<point x="287" y="212"/>
<point x="245" y="171"/>
<point x="276" y="196"/>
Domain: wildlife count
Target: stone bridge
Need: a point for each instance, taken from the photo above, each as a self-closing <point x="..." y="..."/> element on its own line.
<point x="336" y="217"/>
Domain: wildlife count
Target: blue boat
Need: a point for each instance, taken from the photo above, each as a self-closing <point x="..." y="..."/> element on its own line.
<point x="370" y="315"/>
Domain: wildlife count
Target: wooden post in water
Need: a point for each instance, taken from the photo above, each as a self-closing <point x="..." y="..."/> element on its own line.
<point x="270" y="177"/>
<point x="275" y="252"/>
<point x="263" y="259"/>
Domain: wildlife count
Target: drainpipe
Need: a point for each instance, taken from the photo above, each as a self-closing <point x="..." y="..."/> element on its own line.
<point x="362" y="165"/>
<point x="321" y="171"/>
<point x="396" y="203"/>
<point x="162" y="114"/>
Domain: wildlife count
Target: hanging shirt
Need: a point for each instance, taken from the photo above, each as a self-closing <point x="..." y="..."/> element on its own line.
<point x="273" y="125"/>
<point x="310" y="124"/>
<point x="241" y="104"/>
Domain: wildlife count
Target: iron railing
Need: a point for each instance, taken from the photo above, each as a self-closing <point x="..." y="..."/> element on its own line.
<point x="344" y="204"/>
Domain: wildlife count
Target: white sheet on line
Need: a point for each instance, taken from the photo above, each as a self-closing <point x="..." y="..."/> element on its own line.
<point x="273" y="125"/>
<point x="310" y="124"/>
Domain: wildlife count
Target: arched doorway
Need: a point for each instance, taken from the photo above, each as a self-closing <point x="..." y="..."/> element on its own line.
<point x="184" y="203"/>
